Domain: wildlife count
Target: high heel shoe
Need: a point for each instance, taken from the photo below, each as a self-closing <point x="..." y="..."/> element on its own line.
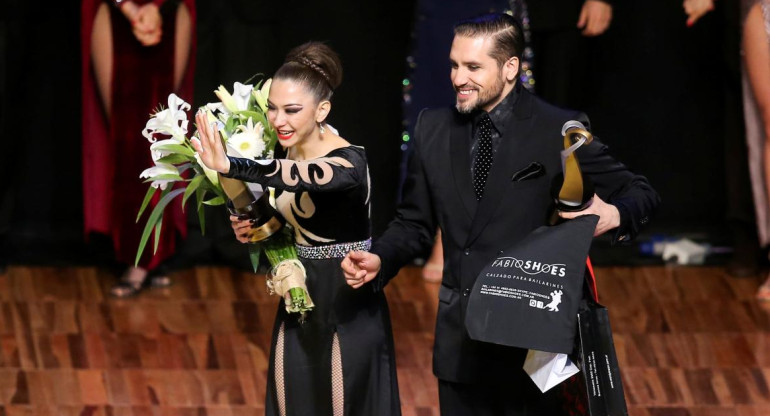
<point x="136" y="279"/>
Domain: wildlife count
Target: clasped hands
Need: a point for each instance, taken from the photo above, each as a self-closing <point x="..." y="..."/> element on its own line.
<point x="146" y="21"/>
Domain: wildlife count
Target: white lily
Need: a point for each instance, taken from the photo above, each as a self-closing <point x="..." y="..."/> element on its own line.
<point x="238" y="100"/>
<point x="247" y="141"/>
<point x="241" y="95"/>
<point x="261" y="94"/>
<point x="226" y="98"/>
<point x="158" y="170"/>
<point x="210" y="173"/>
<point x="157" y="150"/>
<point x="218" y="107"/>
<point x="210" y="116"/>
<point x="172" y="121"/>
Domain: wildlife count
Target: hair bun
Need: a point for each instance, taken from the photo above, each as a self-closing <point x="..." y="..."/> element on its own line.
<point x="320" y="58"/>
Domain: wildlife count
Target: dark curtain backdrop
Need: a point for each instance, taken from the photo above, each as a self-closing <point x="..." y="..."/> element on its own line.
<point x="666" y="100"/>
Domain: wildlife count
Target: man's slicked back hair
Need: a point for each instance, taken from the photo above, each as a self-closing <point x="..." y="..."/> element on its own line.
<point x="505" y="30"/>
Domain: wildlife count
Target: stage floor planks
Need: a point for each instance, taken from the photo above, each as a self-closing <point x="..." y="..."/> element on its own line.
<point x="691" y="341"/>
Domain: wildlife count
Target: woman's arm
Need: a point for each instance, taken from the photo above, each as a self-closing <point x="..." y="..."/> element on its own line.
<point x="341" y="169"/>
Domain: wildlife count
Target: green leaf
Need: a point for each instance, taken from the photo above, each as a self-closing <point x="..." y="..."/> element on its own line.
<point x="215" y="201"/>
<point x="253" y="77"/>
<point x="155" y="216"/>
<point x="157" y="233"/>
<point x="192" y="187"/>
<point x="254" y="251"/>
<point x="199" y="194"/>
<point x="232" y="122"/>
<point x="256" y="116"/>
<point x="177" y="148"/>
<point x="147" y="199"/>
<point x="165" y="177"/>
<point x="175" y="158"/>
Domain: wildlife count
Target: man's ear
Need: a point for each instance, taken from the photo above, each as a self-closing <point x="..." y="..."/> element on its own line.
<point x="511" y="69"/>
<point x="323" y="111"/>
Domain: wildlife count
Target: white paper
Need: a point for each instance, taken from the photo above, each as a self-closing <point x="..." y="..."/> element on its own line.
<point x="548" y="369"/>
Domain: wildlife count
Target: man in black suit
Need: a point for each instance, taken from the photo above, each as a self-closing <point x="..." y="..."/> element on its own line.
<point x="482" y="172"/>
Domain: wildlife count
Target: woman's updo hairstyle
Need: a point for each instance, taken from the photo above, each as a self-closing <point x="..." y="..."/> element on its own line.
<point x="316" y="66"/>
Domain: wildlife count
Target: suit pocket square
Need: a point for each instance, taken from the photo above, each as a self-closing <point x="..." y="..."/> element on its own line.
<point x="534" y="170"/>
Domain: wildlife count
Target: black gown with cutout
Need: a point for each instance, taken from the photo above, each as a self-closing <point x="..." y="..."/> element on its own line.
<point x="327" y="202"/>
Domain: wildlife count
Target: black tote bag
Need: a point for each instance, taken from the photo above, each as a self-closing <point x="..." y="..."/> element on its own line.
<point x="597" y="390"/>
<point x="529" y="295"/>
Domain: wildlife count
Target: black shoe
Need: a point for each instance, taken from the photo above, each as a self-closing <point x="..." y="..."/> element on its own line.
<point x="126" y="289"/>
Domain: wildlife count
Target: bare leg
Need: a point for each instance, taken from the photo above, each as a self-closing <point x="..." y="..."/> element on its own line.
<point x="102" y="55"/>
<point x="757" y="56"/>
<point x="182" y="43"/>
<point x="280" y="388"/>
<point x="338" y="386"/>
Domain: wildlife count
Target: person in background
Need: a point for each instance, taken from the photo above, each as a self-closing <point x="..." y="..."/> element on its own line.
<point x="756" y="93"/>
<point x="562" y="33"/>
<point x="135" y="53"/>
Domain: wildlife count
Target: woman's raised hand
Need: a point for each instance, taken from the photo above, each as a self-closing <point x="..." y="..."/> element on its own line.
<point x="209" y="147"/>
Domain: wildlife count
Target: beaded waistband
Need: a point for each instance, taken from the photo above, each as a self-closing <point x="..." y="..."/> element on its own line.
<point x="332" y="251"/>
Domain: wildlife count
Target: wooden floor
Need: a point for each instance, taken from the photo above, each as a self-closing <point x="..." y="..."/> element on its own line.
<point x="691" y="341"/>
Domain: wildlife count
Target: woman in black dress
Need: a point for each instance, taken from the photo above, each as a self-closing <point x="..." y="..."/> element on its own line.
<point x="340" y="361"/>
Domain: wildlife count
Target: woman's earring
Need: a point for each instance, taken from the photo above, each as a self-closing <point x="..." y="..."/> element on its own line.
<point x="321" y="126"/>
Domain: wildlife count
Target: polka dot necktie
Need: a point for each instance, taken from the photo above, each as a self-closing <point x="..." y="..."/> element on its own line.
<point x="483" y="156"/>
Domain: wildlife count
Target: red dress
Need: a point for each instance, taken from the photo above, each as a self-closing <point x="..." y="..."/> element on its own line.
<point x="114" y="150"/>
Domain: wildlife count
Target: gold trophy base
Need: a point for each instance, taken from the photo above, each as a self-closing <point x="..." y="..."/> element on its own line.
<point x="266" y="220"/>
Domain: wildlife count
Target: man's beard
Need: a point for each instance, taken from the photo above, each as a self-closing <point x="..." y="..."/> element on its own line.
<point x="485" y="97"/>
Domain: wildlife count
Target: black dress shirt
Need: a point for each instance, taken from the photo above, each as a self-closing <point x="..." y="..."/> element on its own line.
<point x="499" y="116"/>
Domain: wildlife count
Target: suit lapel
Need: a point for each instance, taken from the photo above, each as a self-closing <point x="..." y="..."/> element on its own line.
<point x="514" y="149"/>
<point x="461" y="165"/>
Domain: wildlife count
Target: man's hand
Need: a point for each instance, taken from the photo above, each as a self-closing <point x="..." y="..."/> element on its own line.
<point x="360" y="267"/>
<point x="609" y="216"/>
<point x="595" y="17"/>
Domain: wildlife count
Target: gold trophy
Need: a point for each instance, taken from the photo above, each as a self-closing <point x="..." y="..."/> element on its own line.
<point x="571" y="190"/>
<point x="245" y="205"/>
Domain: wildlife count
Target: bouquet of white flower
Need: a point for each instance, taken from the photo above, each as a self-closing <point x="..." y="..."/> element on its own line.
<point x="242" y="122"/>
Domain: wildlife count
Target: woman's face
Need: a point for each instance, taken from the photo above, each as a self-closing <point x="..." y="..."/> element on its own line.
<point x="292" y="111"/>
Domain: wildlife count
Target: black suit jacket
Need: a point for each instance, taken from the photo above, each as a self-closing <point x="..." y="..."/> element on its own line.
<point x="438" y="191"/>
